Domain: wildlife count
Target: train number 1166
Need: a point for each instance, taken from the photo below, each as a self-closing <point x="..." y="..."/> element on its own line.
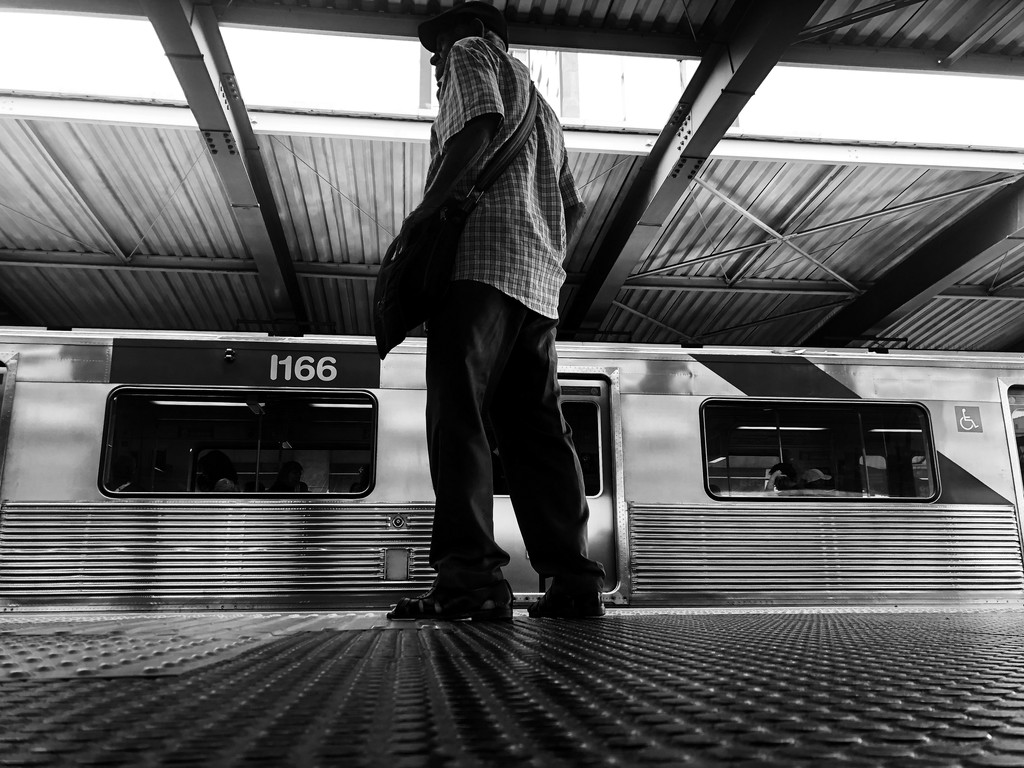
<point x="305" y="368"/>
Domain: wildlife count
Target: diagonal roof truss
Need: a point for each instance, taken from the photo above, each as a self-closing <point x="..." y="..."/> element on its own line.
<point x="983" y="235"/>
<point x="191" y="37"/>
<point x="746" y="48"/>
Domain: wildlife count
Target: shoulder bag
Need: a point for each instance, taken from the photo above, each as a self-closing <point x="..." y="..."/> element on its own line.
<point x="412" y="281"/>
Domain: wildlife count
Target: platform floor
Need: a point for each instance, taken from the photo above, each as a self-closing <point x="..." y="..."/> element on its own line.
<point x="708" y="687"/>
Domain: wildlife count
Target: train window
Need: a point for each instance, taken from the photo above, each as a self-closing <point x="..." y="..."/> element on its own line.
<point x="814" y="451"/>
<point x="275" y="443"/>
<point x="584" y="418"/>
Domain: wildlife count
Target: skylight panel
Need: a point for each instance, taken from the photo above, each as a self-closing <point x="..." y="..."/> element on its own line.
<point x="336" y="73"/>
<point x="907" y="108"/>
<point x="331" y="73"/>
<point x="84" y="56"/>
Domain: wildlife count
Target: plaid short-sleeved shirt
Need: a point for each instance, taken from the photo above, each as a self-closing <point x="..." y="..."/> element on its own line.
<point x="515" y="240"/>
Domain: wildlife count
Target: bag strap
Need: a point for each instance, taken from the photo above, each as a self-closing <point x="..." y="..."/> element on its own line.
<point x="506" y="153"/>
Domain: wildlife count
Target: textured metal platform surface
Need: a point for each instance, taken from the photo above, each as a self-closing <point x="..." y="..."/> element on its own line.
<point x="53" y="647"/>
<point x="700" y="687"/>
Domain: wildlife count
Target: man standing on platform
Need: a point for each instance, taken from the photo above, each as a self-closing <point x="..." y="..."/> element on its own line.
<point x="491" y="343"/>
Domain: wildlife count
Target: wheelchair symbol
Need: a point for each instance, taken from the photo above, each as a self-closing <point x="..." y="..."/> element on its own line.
<point x="968" y="419"/>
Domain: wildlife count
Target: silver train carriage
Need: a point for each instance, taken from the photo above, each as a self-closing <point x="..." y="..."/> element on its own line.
<point x="151" y="471"/>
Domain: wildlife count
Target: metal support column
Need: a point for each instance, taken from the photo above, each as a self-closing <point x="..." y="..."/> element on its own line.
<point x="190" y="35"/>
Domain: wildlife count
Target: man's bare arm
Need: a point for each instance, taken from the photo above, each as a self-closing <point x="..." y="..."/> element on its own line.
<point x="573" y="217"/>
<point x="461" y="151"/>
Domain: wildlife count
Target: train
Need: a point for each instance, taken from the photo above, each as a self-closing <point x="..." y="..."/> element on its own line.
<point x="167" y="471"/>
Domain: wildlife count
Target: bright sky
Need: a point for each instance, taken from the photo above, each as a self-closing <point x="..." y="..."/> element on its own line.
<point x="122" y="58"/>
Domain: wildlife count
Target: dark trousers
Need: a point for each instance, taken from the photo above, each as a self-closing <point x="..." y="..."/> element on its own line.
<point x="489" y="358"/>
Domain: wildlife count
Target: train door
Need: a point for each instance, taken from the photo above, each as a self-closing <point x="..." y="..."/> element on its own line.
<point x="7" y="370"/>
<point x="586" y="408"/>
<point x="1016" y="402"/>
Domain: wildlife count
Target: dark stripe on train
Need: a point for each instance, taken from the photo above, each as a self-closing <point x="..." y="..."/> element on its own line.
<point x="244" y="364"/>
<point x="958" y="486"/>
<point x="771" y="376"/>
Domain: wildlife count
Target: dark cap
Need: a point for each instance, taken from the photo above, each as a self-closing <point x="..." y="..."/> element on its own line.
<point x="488" y="14"/>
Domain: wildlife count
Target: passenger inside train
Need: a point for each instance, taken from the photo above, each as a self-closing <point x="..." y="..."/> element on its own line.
<point x="289" y="479"/>
<point x="215" y="473"/>
<point x="782" y="477"/>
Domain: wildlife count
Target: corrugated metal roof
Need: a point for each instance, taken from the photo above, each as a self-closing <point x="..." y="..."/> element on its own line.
<point x="343" y="200"/>
<point x="92" y="187"/>
<point x="930" y="25"/>
<point x="962" y="324"/>
<point x="79" y="197"/>
<point x="790" y="198"/>
<point x="602" y="180"/>
<point x="794" y="197"/>
<point x="924" y="25"/>
<point x="339" y="306"/>
<point x="1007" y="271"/>
<point x="641" y="16"/>
<point x="144" y="299"/>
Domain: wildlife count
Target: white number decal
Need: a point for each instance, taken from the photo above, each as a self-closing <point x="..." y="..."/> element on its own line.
<point x="305" y="368"/>
<point x="325" y="370"/>
<point x="286" y="364"/>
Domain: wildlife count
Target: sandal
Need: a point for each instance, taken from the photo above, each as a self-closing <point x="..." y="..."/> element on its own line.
<point x="490" y="603"/>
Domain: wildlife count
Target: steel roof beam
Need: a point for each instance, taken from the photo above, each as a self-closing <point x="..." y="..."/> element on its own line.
<point x="191" y="38"/>
<point x="980" y="293"/>
<point x="126" y="9"/>
<point x="753" y="38"/>
<point x="900" y="60"/>
<point x="788" y="287"/>
<point x="699" y="284"/>
<point x="974" y="240"/>
<point x="17" y="257"/>
<point x="20" y="258"/>
<point x="608" y="141"/>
